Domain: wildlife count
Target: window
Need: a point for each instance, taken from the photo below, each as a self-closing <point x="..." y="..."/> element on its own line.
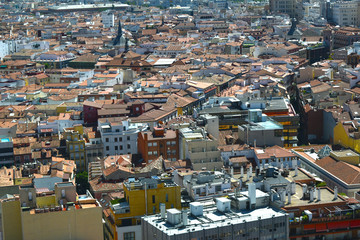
<point x="117" y="130"/>
<point x="115" y="139"/>
<point x="129" y="236"/>
<point x="154" y="209"/>
<point x="150" y="153"/>
<point x="121" y="147"/>
<point x="155" y="152"/>
<point x="128" y="146"/>
<point x="153" y="198"/>
<point x="107" y="140"/>
<point x="120" y="139"/>
<point x="107" y="148"/>
<point x="149" y="144"/>
<point x="168" y="143"/>
<point x="173" y="143"/>
<point x="155" y="144"/>
<point x="116" y="148"/>
<point x="167" y="197"/>
<point x="128" y="138"/>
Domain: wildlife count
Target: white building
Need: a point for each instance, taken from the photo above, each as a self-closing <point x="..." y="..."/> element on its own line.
<point x="218" y="221"/>
<point x="346" y="13"/>
<point x="119" y="136"/>
<point x="108" y="19"/>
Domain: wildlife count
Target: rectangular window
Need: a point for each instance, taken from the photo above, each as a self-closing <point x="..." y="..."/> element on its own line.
<point x="128" y="138"/>
<point x="107" y="148"/>
<point x="155" y="152"/>
<point x="116" y="148"/>
<point x="149" y="144"/>
<point x="107" y="140"/>
<point x="173" y="143"/>
<point x="168" y="143"/>
<point x="129" y="236"/>
<point x="155" y="144"/>
<point x="128" y="146"/>
<point x="167" y="197"/>
<point x="150" y="153"/>
<point x="121" y="147"/>
<point x="120" y="139"/>
<point x="115" y="139"/>
<point x="153" y="198"/>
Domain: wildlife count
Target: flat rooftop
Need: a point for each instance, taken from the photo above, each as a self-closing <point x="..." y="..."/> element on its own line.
<point x="212" y="219"/>
<point x="327" y="196"/>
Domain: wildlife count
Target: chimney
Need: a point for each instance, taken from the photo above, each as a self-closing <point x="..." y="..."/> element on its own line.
<point x="311" y="195"/>
<point x="242" y="171"/>
<point x="282" y="166"/>
<point x="232" y="171"/>
<point x="318" y="195"/>
<point x="335" y="192"/>
<point x="296" y="171"/>
<point x="293" y="187"/>
<point x="252" y="193"/>
<point x="240" y="184"/>
<point x="162" y="210"/>
<point x="289" y="197"/>
<point x="248" y="174"/>
<point x="283" y="196"/>
<point x="251" y="170"/>
<point x="304" y="188"/>
<point x="185" y="218"/>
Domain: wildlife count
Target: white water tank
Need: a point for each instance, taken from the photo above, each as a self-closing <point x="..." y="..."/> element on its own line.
<point x="223" y="204"/>
<point x="196" y="209"/>
<point x="173" y="216"/>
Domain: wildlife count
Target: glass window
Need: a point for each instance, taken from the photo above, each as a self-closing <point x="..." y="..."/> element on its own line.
<point x="115" y="139"/>
<point x="107" y="140"/>
<point x="107" y="148"/>
<point x="116" y="148"/>
<point x="128" y="138"/>
<point x="150" y="153"/>
<point x="128" y="146"/>
<point x="129" y="236"/>
<point x="153" y="198"/>
<point x="149" y="144"/>
<point x="155" y="144"/>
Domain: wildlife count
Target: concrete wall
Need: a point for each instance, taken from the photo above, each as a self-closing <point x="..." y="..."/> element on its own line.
<point x="80" y="224"/>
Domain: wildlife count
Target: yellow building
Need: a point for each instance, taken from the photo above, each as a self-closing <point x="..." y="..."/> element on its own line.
<point x="141" y="197"/>
<point x="347" y="134"/>
<point x="57" y="215"/>
<point x="347" y="155"/>
<point x="75" y="146"/>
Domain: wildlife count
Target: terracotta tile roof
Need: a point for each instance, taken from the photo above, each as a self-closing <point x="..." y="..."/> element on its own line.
<point x="276" y="151"/>
<point x="348" y="173"/>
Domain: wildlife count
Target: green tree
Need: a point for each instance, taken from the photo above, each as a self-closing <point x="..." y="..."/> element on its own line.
<point x="82" y="183"/>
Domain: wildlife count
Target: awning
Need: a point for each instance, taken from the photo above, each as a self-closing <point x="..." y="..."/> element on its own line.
<point x="309" y="227"/>
<point x="338" y="225"/>
<point x="355" y="223"/>
<point x="321" y="227"/>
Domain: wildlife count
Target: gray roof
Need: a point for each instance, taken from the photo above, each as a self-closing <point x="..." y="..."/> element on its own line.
<point x="47" y="182"/>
